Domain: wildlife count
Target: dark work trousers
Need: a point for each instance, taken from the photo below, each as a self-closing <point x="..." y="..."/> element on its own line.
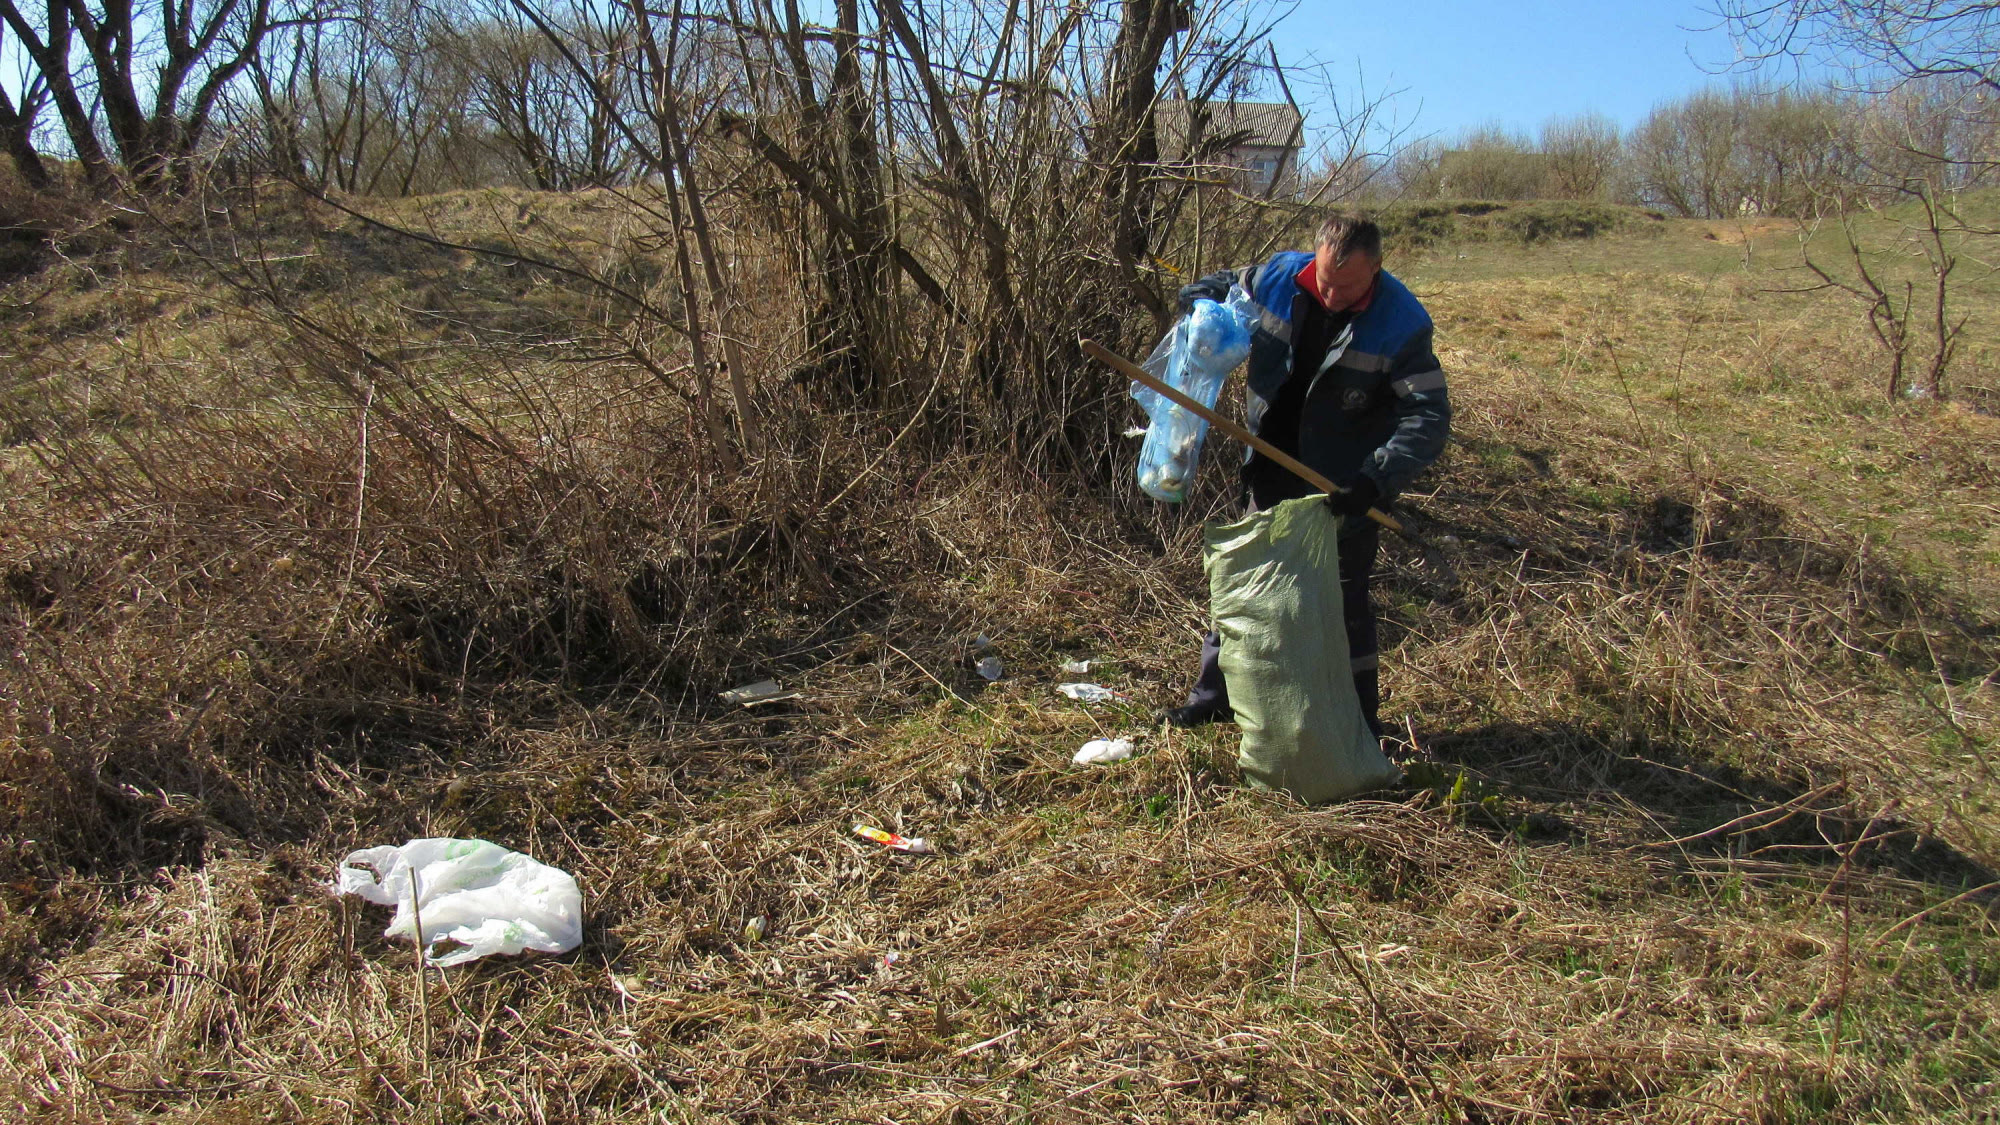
<point x="1359" y="541"/>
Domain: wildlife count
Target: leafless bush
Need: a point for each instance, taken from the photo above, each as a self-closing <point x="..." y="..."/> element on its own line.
<point x="1573" y="158"/>
<point x="969" y="193"/>
<point x="1582" y="156"/>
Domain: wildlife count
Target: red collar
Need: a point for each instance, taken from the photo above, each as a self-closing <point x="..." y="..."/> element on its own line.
<point x="1308" y="280"/>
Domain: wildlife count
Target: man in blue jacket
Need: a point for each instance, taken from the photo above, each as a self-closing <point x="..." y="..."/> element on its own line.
<point x="1342" y="376"/>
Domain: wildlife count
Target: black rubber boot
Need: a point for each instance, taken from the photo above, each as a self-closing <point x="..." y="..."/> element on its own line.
<point x="1196" y="715"/>
<point x="1208" y="702"/>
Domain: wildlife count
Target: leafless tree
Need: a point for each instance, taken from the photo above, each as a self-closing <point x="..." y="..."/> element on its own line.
<point x="1884" y="43"/>
<point x="1796" y="149"/>
<point x="1749" y="149"/>
<point x="1126" y="138"/>
<point x="17" y="124"/>
<point x="554" y="104"/>
<point x="156" y="73"/>
<point x="1929" y="73"/>
<point x="1908" y="321"/>
<point x="352" y="101"/>
<point x="1684" y="156"/>
<point x="1580" y="155"/>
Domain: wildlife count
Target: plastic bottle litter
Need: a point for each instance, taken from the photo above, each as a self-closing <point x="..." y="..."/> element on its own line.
<point x="1103" y="751"/>
<point x="915" y="845"/>
<point x="477" y="894"/>
<point x="1194" y="358"/>
<point x="1087" y="693"/>
<point x="990" y="668"/>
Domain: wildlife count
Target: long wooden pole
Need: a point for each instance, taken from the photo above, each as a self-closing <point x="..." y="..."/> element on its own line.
<point x="1145" y="378"/>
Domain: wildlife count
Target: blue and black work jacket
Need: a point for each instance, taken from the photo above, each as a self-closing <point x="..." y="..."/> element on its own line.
<point x="1377" y="406"/>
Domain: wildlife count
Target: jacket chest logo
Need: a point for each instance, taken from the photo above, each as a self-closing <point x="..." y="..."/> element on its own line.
<point x="1355" y="398"/>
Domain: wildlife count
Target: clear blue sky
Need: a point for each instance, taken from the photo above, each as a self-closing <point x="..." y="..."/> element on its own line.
<point x="1463" y="63"/>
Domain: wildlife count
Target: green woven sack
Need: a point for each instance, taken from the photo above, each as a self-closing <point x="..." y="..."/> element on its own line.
<point x="1274" y="591"/>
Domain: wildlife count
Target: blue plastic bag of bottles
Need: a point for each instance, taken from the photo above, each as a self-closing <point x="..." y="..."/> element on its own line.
<point x="1193" y="358"/>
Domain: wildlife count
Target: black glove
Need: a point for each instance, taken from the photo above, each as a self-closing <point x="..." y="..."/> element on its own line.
<point x="1184" y="301"/>
<point x="1360" y="495"/>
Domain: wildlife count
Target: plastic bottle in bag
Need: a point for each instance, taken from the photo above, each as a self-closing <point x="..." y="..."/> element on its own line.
<point x="1194" y="358"/>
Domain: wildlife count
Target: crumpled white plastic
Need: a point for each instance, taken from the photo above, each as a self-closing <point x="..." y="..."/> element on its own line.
<point x="480" y="895"/>
<point x="1102" y="751"/>
<point x="1087" y="693"/>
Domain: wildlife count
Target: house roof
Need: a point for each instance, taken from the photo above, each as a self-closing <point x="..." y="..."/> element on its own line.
<point x="1228" y="124"/>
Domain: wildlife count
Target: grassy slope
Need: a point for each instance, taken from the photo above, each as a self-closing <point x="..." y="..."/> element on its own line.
<point x="1709" y="581"/>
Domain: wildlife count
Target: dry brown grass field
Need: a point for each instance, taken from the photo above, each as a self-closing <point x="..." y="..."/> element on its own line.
<point x="315" y="538"/>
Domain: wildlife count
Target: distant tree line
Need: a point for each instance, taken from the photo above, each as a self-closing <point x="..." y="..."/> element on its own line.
<point x="388" y="97"/>
<point x="1728" y="151"/>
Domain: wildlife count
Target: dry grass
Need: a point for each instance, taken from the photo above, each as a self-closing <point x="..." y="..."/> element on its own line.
<point x="1701" y="833"/>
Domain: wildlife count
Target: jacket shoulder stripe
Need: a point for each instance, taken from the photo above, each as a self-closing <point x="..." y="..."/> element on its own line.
<point x="1432" y="380"/>
<point x="1272" y="324"/>
<point x="1363" y="361"/>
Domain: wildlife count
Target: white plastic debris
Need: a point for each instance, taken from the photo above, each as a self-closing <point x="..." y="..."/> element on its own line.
<point x="991" y="668"/>
<point x="479" y="895"/>
<point x="763" y="691"/>
<point x="1136" y="431"/>
<point x="1103" y="751"/>
<point x="1076" y="668"/>
<point x="1087" y="693"/>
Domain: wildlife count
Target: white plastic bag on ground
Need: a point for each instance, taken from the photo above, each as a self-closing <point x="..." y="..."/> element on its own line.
<point x="1104" y="751"/>
<point x="480" y="895"/>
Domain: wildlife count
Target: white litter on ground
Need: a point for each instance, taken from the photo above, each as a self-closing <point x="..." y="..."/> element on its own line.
<point x="1103" y="751"/>
<point x="763" y="691"/>
<point x="477" y="894"/>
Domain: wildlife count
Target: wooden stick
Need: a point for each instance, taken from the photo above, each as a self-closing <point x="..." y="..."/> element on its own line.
<point x="1145" y="378"/>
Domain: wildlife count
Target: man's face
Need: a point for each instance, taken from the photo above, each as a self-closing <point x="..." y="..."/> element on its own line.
<point x="1341" y="285"/>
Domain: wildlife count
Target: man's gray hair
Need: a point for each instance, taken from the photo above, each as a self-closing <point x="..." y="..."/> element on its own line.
<point x="1348" y="234"/>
